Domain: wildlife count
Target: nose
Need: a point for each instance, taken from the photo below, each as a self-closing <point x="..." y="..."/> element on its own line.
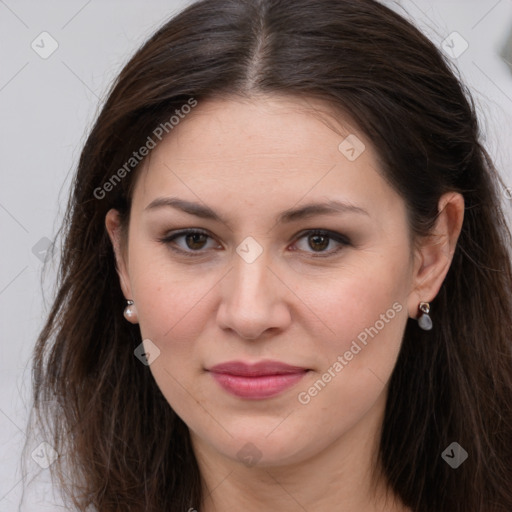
<point x="254" y="299"/>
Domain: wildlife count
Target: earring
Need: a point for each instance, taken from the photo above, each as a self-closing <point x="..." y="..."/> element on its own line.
<point x="424" y="321"/>
<point x="130" y="312"/>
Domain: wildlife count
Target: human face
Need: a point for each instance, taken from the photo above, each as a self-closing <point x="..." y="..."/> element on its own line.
<point x="334" y="307"/>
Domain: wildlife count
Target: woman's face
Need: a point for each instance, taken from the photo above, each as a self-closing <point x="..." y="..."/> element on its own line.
<point x="268" y="278"/>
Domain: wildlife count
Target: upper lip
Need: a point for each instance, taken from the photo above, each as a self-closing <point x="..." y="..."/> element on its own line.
<point x="256" y="369"/>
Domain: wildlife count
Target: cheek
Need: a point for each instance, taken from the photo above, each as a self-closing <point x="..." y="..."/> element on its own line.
<point x="174" y="308"/>
<point x="170" y="298"/>
<point x="367" y="308"/>
<point x="365" y="312"/>
<point x="365" y="300"/>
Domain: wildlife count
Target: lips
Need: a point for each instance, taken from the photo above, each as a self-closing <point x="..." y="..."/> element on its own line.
<point x="264" y="379"/>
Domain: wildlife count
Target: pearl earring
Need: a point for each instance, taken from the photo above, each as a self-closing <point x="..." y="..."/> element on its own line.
<point x="424" y="321"/>
<point x="130" y="312"/>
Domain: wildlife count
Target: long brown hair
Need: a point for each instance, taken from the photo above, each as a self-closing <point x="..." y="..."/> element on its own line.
<point x="122" y="446"/>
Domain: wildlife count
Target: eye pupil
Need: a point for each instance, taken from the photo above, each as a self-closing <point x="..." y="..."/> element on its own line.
<point x="195" y="238"/>
<point x="318" y="242"/>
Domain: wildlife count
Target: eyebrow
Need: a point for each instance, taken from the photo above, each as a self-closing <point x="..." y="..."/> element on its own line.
<point x="293" y="214"/>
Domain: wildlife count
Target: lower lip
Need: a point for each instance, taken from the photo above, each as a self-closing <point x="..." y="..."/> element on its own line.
<point x="255" y="388"/>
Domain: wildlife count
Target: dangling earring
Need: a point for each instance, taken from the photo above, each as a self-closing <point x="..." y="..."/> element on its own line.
<point x="424" y="321"/>
<point x="130" y="312"/>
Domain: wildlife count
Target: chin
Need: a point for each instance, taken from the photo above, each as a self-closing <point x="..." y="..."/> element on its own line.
<point x="267" y="450"/>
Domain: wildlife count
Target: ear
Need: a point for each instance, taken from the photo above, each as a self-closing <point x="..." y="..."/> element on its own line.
<point x="434" y="253"/>
<point x="114" y="229"/>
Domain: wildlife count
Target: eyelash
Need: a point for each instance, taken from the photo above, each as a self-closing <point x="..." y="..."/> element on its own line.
<point x="331" y="235"/>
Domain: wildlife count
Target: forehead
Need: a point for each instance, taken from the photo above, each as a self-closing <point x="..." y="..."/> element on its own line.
<point x="265" y="149"/>
<point x="274" y="127"/>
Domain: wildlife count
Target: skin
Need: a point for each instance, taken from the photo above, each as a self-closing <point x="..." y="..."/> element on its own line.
<point x="249" y="160"/>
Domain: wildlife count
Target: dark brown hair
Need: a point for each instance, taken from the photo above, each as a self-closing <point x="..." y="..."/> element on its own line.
<point x="122" y="446"/>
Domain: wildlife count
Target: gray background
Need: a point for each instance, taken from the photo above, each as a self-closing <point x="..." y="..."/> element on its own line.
<point x="48" y="105"/>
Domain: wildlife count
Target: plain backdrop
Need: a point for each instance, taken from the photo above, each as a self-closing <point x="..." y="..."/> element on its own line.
<point x="47" y="106"/>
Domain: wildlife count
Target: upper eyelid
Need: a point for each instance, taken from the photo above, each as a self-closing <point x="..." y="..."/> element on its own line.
<point x="300" y="234"/>
<point x="330" y="233"/>
<point x="336" y="237"/>
<point x="171" y="236"/>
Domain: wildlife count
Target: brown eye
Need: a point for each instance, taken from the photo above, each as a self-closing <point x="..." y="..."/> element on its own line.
<point x="321" y="242"/>
<point x="196" y="241"/>
<point x="190" y="242"/>
<point x="318" y="242"/>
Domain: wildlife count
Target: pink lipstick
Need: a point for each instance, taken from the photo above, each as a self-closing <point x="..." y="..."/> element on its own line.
<point x="256" y="381"/>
